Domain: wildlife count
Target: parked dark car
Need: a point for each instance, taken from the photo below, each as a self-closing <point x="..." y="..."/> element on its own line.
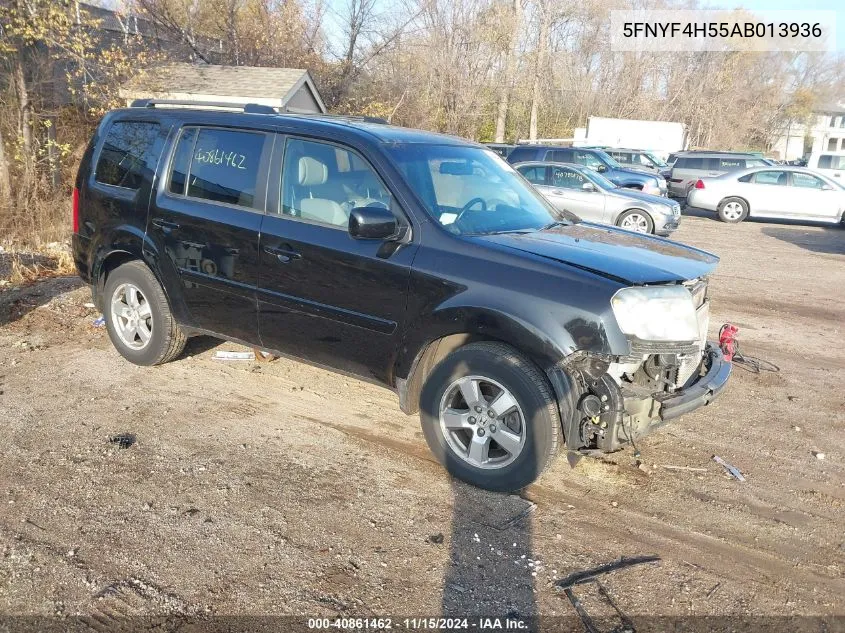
<point x="507" y="324"/>
<point x="595" y="159"/>
<point x="502" y="149"/>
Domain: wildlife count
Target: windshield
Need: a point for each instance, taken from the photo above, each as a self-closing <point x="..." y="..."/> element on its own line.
<point x="656" y="160"/>
<point x="471" y="191"/>
<point x="608" y="160"/>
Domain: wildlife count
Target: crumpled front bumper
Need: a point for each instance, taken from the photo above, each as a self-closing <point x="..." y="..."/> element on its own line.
<point x="703" y="391"/>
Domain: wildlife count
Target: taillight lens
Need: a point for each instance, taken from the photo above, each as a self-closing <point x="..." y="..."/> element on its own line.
<point x="699" y="184"/>
<point x="75" y="210"/>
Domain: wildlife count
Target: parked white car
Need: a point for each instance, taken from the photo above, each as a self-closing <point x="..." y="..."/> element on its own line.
<point x="793" y="193"/>
<point x="830" y="164"/>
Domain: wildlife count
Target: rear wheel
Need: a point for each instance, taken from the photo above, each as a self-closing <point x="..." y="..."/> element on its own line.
<point x="489" y="417"/>
<point x="138" y="317"/>
<point x="733" y="210"/>
<point x="636" y="220"/>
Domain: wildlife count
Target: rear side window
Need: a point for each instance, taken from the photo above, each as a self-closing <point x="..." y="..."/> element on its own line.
<point x="129" y="155"/>
<point x="535" y="174"/>
<point x="219" y="165"/>
<point x="559" y="155"/>
<point x="730" y="164"/>
<point x="520" y="154"/>
<point x="690" y="163"/>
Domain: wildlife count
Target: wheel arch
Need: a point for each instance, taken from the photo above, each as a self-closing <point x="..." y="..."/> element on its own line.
<point x="127" y="244"/>
<point x="423" y="352"/>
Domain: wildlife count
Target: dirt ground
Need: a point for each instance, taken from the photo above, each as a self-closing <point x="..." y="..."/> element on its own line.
<point x="285" y="489"/>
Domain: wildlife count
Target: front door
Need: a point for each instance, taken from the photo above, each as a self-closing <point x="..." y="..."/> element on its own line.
<point x="566" y="191"/>
<point x="207" y="217"/>
<point x="324" y="296"/>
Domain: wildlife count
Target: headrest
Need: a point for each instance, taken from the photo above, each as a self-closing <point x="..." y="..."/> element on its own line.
<point x="312" y="171"/>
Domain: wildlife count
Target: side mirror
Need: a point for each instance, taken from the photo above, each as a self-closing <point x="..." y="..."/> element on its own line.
<point x="373" y="223"/>
<point x="588" y="186"/>
<point x="827" y="188"/>
<point x="601" y="168"/>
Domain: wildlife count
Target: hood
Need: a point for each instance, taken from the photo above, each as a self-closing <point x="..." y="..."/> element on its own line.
<point x="639" y="195"/>
<point x="630" y="257"/>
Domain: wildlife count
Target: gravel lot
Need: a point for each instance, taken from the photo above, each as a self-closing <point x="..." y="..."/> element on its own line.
<point x="279" y="488"/>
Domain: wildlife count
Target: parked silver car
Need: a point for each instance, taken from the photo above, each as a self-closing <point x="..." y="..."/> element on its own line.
<point x="591" y="196"/>
<point x="794" y="193"/>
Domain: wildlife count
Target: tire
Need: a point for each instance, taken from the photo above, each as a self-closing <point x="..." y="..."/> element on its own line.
<point x="644" y="225"/>
<point x="149" y="312"/>
<point x="532" y="417"/>
<point x="733" y="210"/>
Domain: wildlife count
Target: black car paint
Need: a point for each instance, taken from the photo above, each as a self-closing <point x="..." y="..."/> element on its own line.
<point x="619" y="176"/>
<point x="366" y="307"/>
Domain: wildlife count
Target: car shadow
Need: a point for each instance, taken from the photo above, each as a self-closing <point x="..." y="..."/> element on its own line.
<point x="491" y="566"/>
<point x="831" y="240"/>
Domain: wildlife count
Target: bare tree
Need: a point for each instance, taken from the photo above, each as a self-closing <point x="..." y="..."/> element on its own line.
<point x="511" y="61"/>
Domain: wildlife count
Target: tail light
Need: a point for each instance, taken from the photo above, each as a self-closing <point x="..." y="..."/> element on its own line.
<point x="75" y="210"/>
<point x="699" y="184"/>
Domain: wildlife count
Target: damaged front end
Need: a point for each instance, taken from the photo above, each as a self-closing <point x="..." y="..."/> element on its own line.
<point x="614" y="400"/>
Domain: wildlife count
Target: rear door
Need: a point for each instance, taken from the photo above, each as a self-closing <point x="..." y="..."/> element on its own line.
<point x="206" y="219"/>
<point x="768" y="193"/>
<point x="324" y="296"/>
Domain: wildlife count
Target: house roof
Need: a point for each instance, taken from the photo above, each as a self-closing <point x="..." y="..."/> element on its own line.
<point x="225" y="81"/>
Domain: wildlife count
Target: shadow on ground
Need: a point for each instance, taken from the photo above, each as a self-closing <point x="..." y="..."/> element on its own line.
<point x="829" y="241"/>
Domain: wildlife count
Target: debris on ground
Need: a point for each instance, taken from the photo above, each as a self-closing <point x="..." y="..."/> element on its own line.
<point x="733" y="470"/>
<point x="228" y="355"/>
<point x="99" y="321"/>
<point x="437" y="539"/>
<point x="89" y="305"/>
<point x="123" y="440"/>
<point x="589" y="576"/>
<point x="818" y="455"/>
<point x="692" y="469"/>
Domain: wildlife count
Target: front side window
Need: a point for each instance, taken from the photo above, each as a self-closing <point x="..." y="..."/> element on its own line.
<point x="219" y="165"/>
<point x="624" y="157"/>
<point x="129" y="155"/>
<point x="470" y="190"/>
<point x="535" y="174"/>
<point x="588" y="159"/>
<point x="322" y="183"/>
<point x="564" y="178"/>
<point x="806" y="181"/>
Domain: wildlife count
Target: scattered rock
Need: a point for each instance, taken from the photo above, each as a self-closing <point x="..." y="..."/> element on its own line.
<point x="123" y="440"/>
<point x="796" y="428"/>
<point x="614" y="504"/>
<point x="818" y="455"/>
<point x="436" y="538"/>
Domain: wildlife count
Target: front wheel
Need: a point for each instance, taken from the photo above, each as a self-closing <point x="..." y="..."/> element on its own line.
<point x="489" y="417"/>
<point x="636" y="220"/>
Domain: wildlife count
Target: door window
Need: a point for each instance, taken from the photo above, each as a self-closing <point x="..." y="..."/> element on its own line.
<point x="806" y="181"/>
<point x="771" y="178"/>
<point x="624" y="157"/>
<point x="322" y="183"/>
<point x="535" y="174"/>
<point x="588" y="160"/>
<point x="220" y="165"/>
<point x="731" y="164"/>
<point x="563" y="178"/>
<point x="559" y="155"/>
<point x="129" y="155"/>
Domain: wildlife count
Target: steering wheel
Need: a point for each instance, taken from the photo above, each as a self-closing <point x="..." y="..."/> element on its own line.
<point x="468" y="206"/>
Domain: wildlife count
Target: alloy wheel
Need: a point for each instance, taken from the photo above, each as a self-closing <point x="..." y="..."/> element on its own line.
<point x="635" y="222"/>
<point x="131" y="316"/>
<point x="482" y="422"/>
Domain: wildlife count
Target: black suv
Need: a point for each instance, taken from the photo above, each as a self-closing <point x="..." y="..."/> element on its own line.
<point x="421" y="261"/>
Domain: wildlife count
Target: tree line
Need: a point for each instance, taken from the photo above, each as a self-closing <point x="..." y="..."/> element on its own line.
<point x="491" y="70"/>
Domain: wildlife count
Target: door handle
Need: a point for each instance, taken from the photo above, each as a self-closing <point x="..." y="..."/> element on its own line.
<point x="284" y="255"/>
<point x="164" y="224"/>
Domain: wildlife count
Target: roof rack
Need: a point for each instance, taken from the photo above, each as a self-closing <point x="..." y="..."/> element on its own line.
<point x="249" y="108"/>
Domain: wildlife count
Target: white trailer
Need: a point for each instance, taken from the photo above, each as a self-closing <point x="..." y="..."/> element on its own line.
<point x="660" y="137"/>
